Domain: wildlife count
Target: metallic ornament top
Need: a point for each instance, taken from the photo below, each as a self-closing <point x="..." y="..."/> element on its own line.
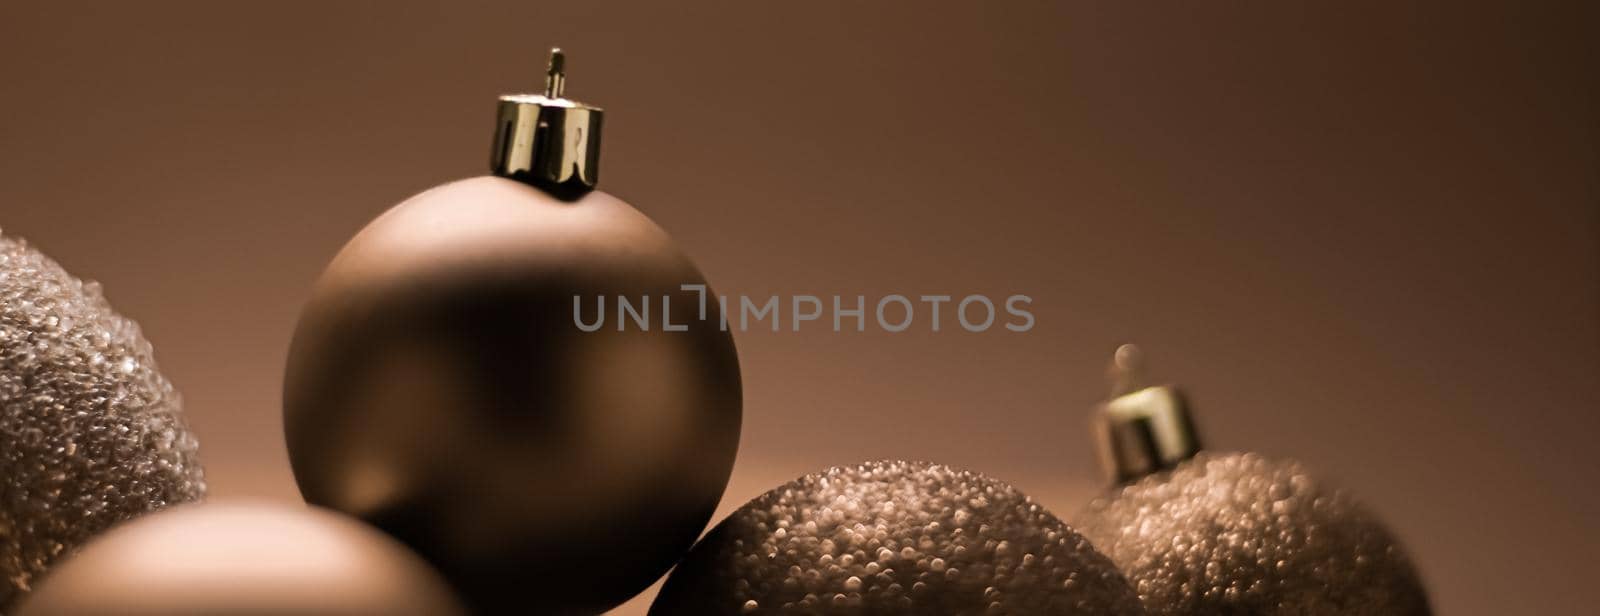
<point x="894" y="538"/>
<point x="1242" y="534"/>
<point x="1232" y="534"/>
<point x="1142" y="429"/>
<point x="547" y="140"/>
<point x="91" y="434"/>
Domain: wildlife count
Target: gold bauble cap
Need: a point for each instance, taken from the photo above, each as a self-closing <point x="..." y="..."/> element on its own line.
<point x="547" y="140"/>
<point x="1142" y="429"/>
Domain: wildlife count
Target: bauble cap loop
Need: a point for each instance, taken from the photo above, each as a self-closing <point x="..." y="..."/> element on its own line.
<point x="547" y="140"/>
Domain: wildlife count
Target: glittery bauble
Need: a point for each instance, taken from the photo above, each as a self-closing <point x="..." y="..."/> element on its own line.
<point x="243" y="560"/>
<point x="894" y="538"/>
<point x="1239" y="534"/>
<point x="440" y="387"/>
<point x="91" y="434"/>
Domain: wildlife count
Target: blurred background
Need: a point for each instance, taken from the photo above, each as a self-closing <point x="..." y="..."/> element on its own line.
<point x="1362" y="235"/>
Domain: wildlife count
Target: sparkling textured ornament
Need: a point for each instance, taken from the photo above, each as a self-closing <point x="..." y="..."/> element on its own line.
<point x="1241" y="534"/>
<point x="1230" y="533"/>
<point x="442" y="386"/>
<point x="91" y="434"/>
<point x="243" y="560"/>
<point x="894" y="538"/>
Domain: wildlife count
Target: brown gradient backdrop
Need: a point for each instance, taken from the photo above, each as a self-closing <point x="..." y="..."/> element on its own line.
<point x="1363" y="235"/>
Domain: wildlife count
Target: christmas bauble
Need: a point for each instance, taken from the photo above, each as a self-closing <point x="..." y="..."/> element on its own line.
<point x="524" y="380"/>
<point x="892" y="538"/>
<point x="91" y="434"/>
<point x="439" y="388"/>
<point x="1201" y="533"/>
<point x="1242" y="534"/>
<point x="243" y="560"/>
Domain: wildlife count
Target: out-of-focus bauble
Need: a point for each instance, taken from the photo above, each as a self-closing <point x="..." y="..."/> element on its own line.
<point x="91" y="434"/>
<point x="1240" y="534"/>
<point x="894" y="538"/>
<point x="243" y="560"/>
<point x="440" y="387"/>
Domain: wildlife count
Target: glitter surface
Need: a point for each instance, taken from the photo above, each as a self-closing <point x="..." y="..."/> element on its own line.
<point x="894" y="538"/>
<point x="1238" y="534"/>
<point x="90" y="432"/>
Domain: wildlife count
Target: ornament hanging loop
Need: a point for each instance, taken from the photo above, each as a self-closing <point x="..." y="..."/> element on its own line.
<point x="555" y="78"/>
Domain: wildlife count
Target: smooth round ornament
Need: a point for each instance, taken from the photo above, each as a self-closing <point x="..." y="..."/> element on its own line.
<point x="1225" y="534"/>
<point x="894" y="538"/>
<point x="91" y="433"/>
<point x="243" y="560"/>
<point x="440" y="387"/>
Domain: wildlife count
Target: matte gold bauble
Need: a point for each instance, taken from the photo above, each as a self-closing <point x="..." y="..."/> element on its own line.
<point x="242" y="560"/>
<point x="445" y="384"/>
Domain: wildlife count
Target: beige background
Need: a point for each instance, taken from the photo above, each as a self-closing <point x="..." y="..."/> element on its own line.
<point x="1363" y="235"/>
